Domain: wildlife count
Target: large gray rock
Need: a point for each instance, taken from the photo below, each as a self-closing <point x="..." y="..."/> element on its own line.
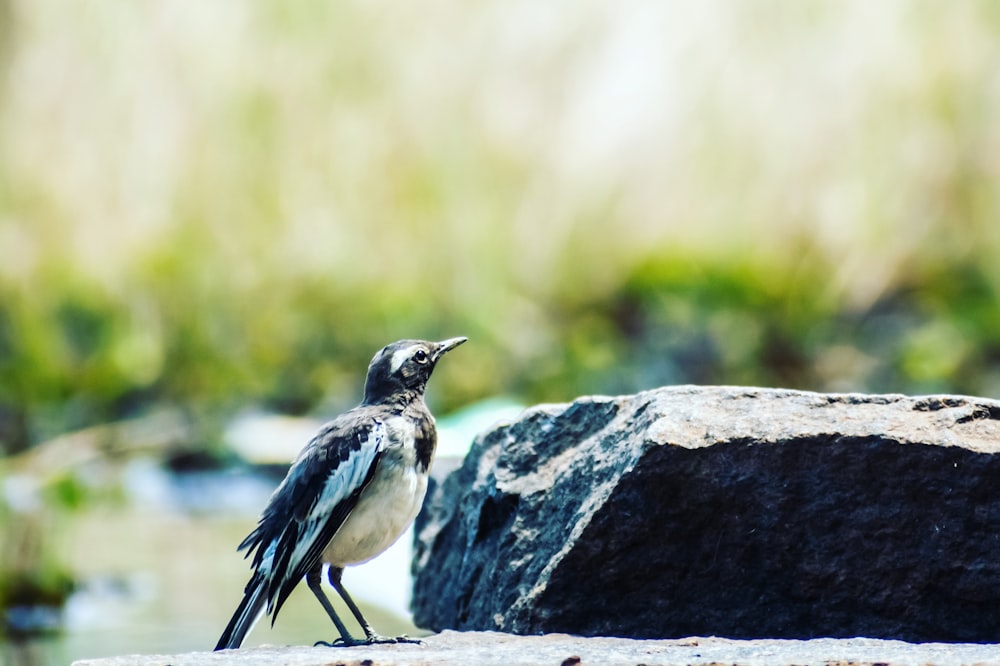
<point x="737" y="512"/>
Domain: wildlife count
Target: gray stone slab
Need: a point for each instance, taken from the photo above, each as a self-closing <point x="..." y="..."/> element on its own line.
<point x="490" y="648"/>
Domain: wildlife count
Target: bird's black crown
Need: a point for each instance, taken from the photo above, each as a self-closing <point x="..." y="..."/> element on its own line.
<point x="399" y="372"/>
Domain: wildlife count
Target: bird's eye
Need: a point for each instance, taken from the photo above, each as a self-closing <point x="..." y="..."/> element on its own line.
<point x="420" y="356"/>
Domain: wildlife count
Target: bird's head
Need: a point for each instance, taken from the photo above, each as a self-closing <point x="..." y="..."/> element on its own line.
<point x="399" y="372"/>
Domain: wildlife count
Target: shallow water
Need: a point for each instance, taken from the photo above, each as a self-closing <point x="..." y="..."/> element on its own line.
<point x="162" y="577"/>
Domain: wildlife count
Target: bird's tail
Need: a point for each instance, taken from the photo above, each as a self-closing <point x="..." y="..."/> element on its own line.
<point x="246" y="615"/>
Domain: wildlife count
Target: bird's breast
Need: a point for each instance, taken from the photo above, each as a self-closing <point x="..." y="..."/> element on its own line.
<point x="384" y="510"/>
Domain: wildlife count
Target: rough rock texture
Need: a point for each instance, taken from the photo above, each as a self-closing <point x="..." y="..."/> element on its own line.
<point x="739" y="512"/>
<point x="493" y="649"/>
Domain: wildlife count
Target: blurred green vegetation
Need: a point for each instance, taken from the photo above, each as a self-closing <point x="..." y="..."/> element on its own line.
<point x="216" y="205"/>
<point x="31" y="573"/>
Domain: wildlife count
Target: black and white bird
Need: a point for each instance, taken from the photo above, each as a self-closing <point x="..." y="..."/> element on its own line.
<point x="350" y="493"/>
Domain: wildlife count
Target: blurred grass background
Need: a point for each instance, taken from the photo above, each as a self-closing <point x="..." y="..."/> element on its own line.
<point x="220" y="204"/>
<point x="212" y="207"/>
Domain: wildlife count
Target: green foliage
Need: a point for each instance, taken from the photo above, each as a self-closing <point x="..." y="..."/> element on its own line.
<point x="66" y="492"/>
<point x="754" y="324"/>
<point x="30" y="573"/>
<point x="40" y="587"/>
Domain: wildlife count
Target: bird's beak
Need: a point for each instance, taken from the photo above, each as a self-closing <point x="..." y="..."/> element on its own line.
<point x="447" y="345"/>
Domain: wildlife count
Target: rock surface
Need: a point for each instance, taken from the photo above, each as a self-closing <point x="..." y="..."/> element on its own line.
<point x="494" y="649"/>
<point x="739" y="512"/>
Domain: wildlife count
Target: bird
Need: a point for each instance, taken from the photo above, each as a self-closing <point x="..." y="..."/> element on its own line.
<point x="348" y="495"/>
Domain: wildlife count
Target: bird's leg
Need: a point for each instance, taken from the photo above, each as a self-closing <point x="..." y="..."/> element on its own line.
<point x="333" y="575"/>
<point x="314" y="581"/>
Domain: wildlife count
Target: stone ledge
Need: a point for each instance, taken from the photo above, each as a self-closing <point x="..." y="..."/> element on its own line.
<point x="489" y="648"/>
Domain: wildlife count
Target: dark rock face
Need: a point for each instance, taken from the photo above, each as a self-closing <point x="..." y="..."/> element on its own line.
<point x="746" y="513"/>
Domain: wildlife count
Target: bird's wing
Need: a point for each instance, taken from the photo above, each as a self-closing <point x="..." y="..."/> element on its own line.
<point x="318" y="494"/>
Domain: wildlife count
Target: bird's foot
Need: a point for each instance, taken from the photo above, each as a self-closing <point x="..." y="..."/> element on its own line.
<point x="342" y="642"/>
<point x="371" y="639"/>
<point x="398" y="639"/>
<point x="374" y="639"/>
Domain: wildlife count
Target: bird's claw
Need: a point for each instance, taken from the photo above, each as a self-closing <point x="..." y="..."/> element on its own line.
<point x="373" y="639"/>
<point x="341" y="642"/>
<point x="405" y="639"/>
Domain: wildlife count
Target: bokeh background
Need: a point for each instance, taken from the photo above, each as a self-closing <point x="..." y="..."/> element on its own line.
<point x="210" y="209"/>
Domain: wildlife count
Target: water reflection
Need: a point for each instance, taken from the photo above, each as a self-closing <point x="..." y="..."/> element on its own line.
<point x="160" y="574"/>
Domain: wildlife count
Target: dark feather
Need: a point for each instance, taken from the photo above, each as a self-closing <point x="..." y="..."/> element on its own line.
<point x="246" y="614"/>
<point x="290" y="519"/>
